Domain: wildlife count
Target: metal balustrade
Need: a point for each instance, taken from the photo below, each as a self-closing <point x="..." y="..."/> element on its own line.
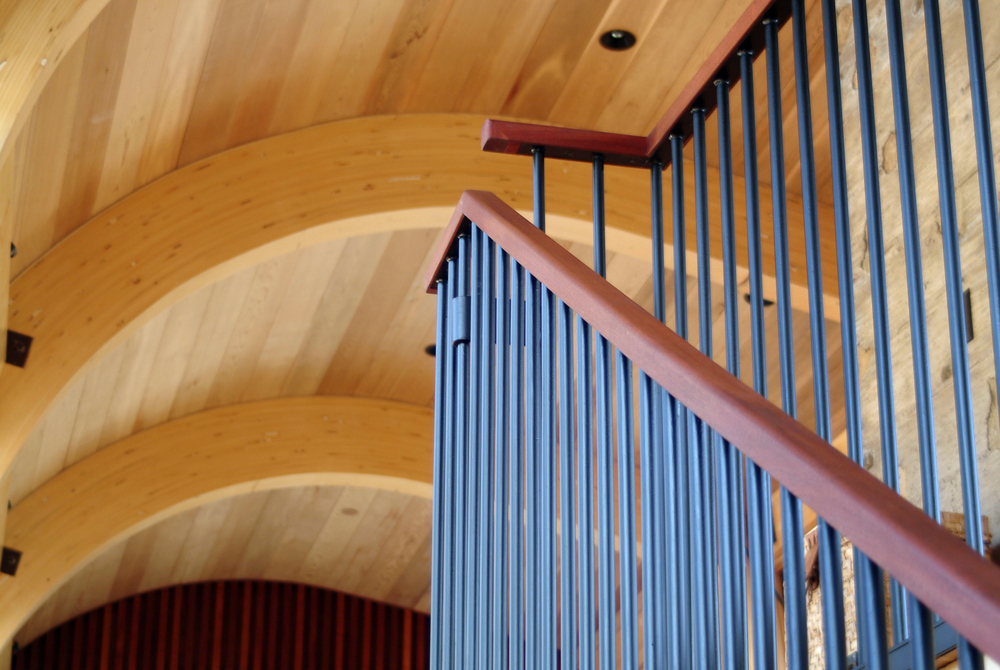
<point x="594" y="508"/>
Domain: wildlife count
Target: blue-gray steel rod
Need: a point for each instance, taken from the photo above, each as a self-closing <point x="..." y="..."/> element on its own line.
<point x="585" y="490"/>
<point x="680" y="246"/>
<point x="880" y="303"/>
<point x="702" y="454"/>
<point x="605" y="502"/>
<point x="969" y="657"/>
<point x="600" y="255"/>
<point x="473" y="531"/>
<point x="538" y="185"/>
<point x="567" y="494"/>
<point x="652" y="641"/>
<point x="446" y="348"/>
<point x="797" y="643"/>
<point x="605" y="450"/>
<point x="914" y="268"/>
<point x="920" y="615"/>
<point x="987" y="171"/>
<point x="532" y="438"/>
<point x="547" y="483"/>
<point x="834" y="634"/>
<point x="656" y="233"/>
<point x="437" y="557"/>
<point x="676" y="466"/>
<point x="704" y="652"/>
<point x="501" y="391"/>
<point x="953" y="279"/>
<point x="438" y="530"/>
<point x="534" y="638"/>
<point x="760" y="523"/>
<point x="732" y="551"/>
<point x="463" y="568"/>
<point x="516" y="450"/>
<point x="656" y="526"/>
<point x="868" y="590"/>
<point x="484" y="347"/>
<point x="627" y="554"/>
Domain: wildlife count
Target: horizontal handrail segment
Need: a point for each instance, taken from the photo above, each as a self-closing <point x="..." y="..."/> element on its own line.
<point x="509" y="137"/>
<point x="935" y="566"/>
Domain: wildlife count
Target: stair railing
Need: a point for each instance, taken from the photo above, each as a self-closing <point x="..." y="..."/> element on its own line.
<point x="528" y="340"/>
<point x="700" y="539"/>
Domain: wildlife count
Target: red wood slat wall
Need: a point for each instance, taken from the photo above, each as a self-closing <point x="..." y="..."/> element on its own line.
<point x="238" y="625"/>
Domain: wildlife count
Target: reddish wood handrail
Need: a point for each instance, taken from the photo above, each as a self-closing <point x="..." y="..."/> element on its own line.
<point x="634" y="151"/>
<point x="509" y="137"/>
<point x="929" y="561"/>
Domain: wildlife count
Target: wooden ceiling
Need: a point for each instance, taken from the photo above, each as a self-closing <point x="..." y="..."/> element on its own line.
<point x="358" y="540"/>
<point x="155" y="85"/>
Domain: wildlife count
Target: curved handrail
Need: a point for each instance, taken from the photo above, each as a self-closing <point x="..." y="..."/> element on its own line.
<point x="929" y="561"/>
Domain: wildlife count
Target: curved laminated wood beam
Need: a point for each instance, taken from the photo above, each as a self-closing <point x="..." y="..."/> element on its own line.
<point x="227" y="212"/>
<point x="934" y="565"/>
<point x="34" y="37"/>
<point x="178" y="465"/>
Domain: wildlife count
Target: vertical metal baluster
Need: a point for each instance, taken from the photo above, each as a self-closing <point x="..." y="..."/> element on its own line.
<point x="547" y="483"/>
<point x="987" y="176"/>
<point x="759" y="520"/>
<point x="567" y="493"/>
<point x="534" y="624"/>
<point x="868" y="590"/>
<point x="437" y="557"/>
<point x="605" y="502"/>
<point x="545" y="593"/>
<point x="585" y="491"/>
<point x="516" y="521"/>
<point x="651" y="640"/>
<point x="969" y="656"/>
<point x="605" y="450"/>
<point x="680" y="541"/>
<point x="461" y="340"/>
<point x="831" y="573"/>
<point x="919" y="615"/>
<point x="880" y="308"/>
<point x="730" y="464"/>
<point x="485" y="446"/>
<point x="626" y="515"/>
<point x="443" y="350"/>
<point x="473" y="531"/>
<point x="953" y="279"/>
<point x="797" y="653"/>
<point x="532" y="439"/>
<point x="702" y="450"/>
<point x="501" y="514"/>
<point x="987" y="173"/>
<point x="655" y="571"/>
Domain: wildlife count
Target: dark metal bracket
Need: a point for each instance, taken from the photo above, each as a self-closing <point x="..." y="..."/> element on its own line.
<point x="18" y="348"/>
<point x="10" y="560"/>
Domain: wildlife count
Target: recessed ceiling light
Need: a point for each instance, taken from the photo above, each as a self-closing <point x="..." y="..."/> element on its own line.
<point x="617" y="40"/>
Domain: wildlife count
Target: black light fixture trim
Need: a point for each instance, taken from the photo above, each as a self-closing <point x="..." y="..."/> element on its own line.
<point x="767" y="303"/>
<point x="9" y="561"/>
<point x="618" y="40"/>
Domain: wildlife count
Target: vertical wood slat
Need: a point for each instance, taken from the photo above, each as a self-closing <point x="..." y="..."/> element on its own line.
<point x="235" y="624"/>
